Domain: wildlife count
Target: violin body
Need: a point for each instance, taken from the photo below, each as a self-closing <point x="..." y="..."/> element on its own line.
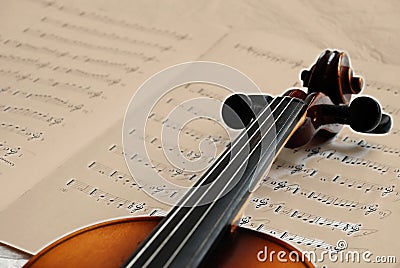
<point x="110" y="244"/>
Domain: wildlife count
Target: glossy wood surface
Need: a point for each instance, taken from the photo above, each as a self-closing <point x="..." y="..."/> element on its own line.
<point x="110" y="244"/>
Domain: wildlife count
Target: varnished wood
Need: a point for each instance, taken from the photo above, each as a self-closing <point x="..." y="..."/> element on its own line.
<point x="110" y="244"/>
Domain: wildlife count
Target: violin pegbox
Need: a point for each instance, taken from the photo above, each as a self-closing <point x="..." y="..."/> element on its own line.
<point x="330" y="84"/>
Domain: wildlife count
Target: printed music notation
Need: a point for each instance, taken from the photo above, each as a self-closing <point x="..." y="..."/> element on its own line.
<point x="126" y="179"/>
<point x="160" y="167"/>
<point x="384" y="191"/>
<point x="9" y="153"/>
<point x="263" y="226"/>
<point x="191" y="132"/>
<point x="61" y="39"/>
<point x="102" y="34"/>
<point x="362" y="143"/>
<point x="95" y="16"/>
<point x="205" y="92"/>
<point x="306" y="217"/>
<point x="57" y="53"/>
<point x="268" y="55"/>
<point x="383" y="87"/>
<point x="133" y="207"/>
<point x="333" y="154"/>
<point x="45" y="98"/>
<point x="324" y="198"/>
<point x="30" y="135"/>
<point x="187" y="152"/>
<point x="10" y="150"/>
<point x="21" y="76"/>
<point x="45" y="117"/>
<point x="392" y="110"/>
<point x="105" y="78"/>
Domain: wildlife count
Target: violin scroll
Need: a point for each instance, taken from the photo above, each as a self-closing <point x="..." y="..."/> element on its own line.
<point x="333" y="76"/>
<point x="330" y="84"/>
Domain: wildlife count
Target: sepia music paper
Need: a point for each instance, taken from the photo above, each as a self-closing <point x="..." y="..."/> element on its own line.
<point x="68" y="72"/>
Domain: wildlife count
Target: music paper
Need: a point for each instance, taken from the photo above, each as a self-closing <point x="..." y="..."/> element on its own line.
<point x="68" y="73"/>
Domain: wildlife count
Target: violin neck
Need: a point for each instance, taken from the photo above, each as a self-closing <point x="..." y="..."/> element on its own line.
<point x="206" y="212"/>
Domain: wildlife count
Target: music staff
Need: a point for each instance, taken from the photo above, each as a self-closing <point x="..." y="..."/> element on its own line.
<point x="350" y="183"/>
<point x="332" y="154"/>
<point x="109" y="199"/>
<point x="16" y="44"/>
<point x="93" y="15"/>
<point x="268" y="55"/>
<point x="280" y="208"/>
<point x="30" y="135"/>
<point x="109" y="81"/>
<point x="383" y="87"/>
<point x="45" y="117"/>
<point x="55" y="37"/>
<point x="46" y="98"/>
<point x="128" y="180"/>
<point x="102" y="34"/>
<point x="371" y="146"/>
<point x="263" y="225"/>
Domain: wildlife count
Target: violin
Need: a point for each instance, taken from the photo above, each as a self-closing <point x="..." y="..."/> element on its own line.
<point x="205" y="234"/>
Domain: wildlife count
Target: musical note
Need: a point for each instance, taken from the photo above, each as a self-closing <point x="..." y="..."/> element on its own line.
<point x="205" y="92"/>
<point x="371" y="146"/>
<point x="260" y="202"/>
<point x="107" y="198"/>
<point x="57" y="53"/>
<point x="45" y="117"/>
<point x="268" y="55"/>
<point x="128" y="180"/>
<point x="263" y="226"/>
<point x="116" y="149"/>
<point x="102" y="34"/>
<point x="367" y="187"/>
<point x="109" y="172"/>
<point x="331" y="154"/>
<point x="324" y="198"/>
<point x="30" y="135"/>
<point x="61" y="39"/>
<point x="136" y="26"/>
<point x="48" y="98"/>
<point x="193" y="133"/>
<point x="109" y="81"/>
<point x="383" y="87"/>
<point x="10" y="150"/>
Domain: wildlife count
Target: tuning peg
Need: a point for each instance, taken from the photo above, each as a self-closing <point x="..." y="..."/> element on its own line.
<point x="384" y="125"/>
<point x="239" y="110"/>
<point x="364" y="115"/>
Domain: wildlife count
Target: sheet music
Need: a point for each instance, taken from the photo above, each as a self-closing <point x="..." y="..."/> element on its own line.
<point x="67" y="75"/>
<point x="56" y="83"/>
<point x="316" y="195"/>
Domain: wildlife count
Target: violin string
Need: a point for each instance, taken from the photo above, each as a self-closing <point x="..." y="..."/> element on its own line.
<point x="170" y="217"/>
<point x="219" y="195"/>
<point x="204" y="179"/>
<point x="209" y="189"/>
